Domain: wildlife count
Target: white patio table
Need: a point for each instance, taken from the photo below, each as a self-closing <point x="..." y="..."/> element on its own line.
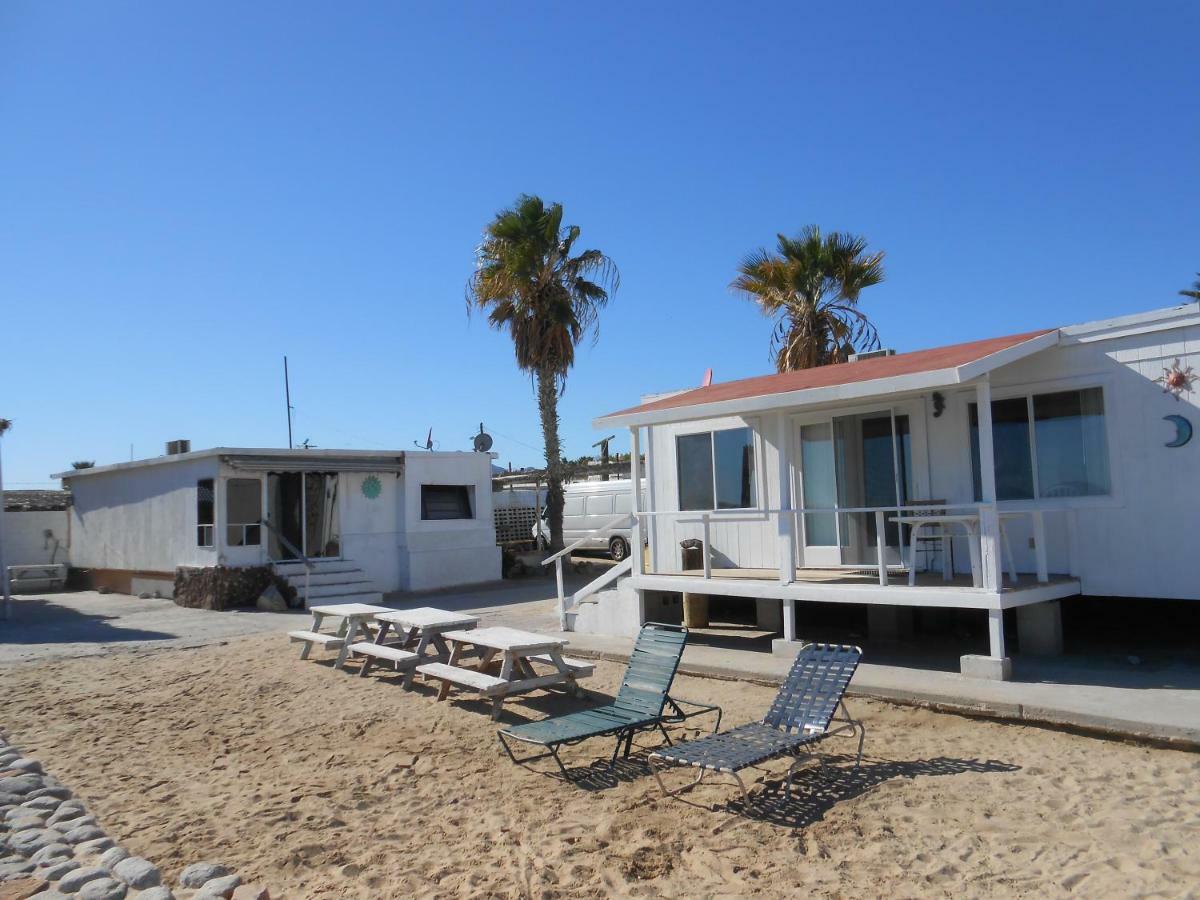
<point x="520" y="651"/>
<point x="353" y="619"/>
<point x="422" y="626"/>
<point x="970" y="524"/>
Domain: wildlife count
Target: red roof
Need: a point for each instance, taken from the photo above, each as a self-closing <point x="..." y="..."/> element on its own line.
<point x="842" y="373"/>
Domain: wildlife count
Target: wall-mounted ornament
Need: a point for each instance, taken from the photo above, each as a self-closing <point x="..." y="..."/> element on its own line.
<point x="371" y="487"/>
<point x="939" y="404"/>
<point x="1183" y="430"/>
<point x="1176" y="379"/>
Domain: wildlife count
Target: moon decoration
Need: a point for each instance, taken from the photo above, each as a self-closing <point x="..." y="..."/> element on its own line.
<point x="1176" y="379"/>
<point x="1183" y="430"/>
<point x="371" y="487"/>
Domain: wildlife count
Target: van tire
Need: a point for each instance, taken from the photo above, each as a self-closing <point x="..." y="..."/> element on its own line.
<point x="618" y="549"/>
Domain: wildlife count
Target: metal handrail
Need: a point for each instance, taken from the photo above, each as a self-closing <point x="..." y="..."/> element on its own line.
<point x="616" y="523"/>
<point x="308" y="563"/>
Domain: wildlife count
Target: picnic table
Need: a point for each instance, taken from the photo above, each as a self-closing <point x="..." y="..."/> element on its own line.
<point x="521" y="654"/>
<point x="353" y="619"/>
<point x="417" y="629"/>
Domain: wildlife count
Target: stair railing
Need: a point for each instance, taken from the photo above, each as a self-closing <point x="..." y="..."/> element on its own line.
<point x="293" y="549"/>
<point x="619" y="522"/>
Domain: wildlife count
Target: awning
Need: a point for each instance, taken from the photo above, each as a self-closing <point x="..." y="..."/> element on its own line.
<point x="316" y="464"/>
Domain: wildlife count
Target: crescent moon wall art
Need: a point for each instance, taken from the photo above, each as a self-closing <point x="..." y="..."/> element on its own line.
<point x="1183" y="430"/>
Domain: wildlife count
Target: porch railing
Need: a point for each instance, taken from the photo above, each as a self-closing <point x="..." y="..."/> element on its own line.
<point x="293" y="549"/>
<point x="611" y="575"/>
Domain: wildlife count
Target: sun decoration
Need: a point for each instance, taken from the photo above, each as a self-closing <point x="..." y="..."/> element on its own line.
<point x="371" y="487"/>
<point x="1176" y="379"/>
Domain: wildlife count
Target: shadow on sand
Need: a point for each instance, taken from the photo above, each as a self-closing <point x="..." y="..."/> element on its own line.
<point x="42" y="621"/>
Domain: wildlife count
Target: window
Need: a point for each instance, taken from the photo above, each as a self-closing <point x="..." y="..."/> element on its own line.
<point x="243" y="512"/>
<point x="205" y="512"/>
<point x="600" y="506"/>
<point x="1058" y="436"/>
<point x="445" y="501"/>
<point x="716" y="470"/>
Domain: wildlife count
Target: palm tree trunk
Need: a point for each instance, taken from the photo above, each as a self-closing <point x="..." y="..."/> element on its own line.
<point x="547" y="392"/>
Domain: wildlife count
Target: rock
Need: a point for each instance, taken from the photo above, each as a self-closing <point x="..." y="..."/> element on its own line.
<point x="21" y="764"/>
<point x="112" y="856"/>
<point x="42" y="801"/>
<point x="251" y="892"/>
<point x="52" y="852"/>
<point x="32" y="840"/>
<point x="21" y="889"/>
<point x="59" y="869"/>
<point x="76" y="879"/>
<point x="197" y="874"/>
<point x="23" y="819"/>
<point x="155" y="893"/>
<point x="70" y="809"/>
<point x="103" y="889"/>
<point x="138" y="873"/>
<point x="11" y="870"/>
<point x="104" y="589"/>
<point x="51" y="791"/>
<point x="7" y="799"/>
<point x="76" y="821"/>
<point x="219" y="887"/>
<point x="82" y="834"/>
<point x="20" y="784"/>
<point x="91" y="848"/>
<point x="145" y="595"/>
<point x="270" y="600"/>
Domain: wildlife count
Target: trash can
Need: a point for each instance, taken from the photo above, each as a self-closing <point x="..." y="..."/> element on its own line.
<point x="695" y="606"/>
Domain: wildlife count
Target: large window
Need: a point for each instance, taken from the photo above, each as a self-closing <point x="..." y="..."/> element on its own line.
<point x="205" y="512"/>
<point x="243" y="512"/>
<point x="1046" y="445"/>
<point x="445" y="501"/>
<point x="716" y="470"/>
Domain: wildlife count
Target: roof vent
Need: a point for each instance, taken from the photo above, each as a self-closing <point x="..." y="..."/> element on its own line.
<point x="174" y="448"/>
<point x="871" y="354"/>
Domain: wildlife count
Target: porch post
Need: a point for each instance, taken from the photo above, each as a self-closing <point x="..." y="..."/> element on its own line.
<point x="652" y="522"/>
<point x="991" y="559"/>
<point x="635" y="472"/>
<point x="996" y="632"/>
<point x="787" y="546"/>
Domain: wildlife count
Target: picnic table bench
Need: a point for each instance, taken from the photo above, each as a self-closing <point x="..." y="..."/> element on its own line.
<point x="418" y="629"/>
<point x="520" y="652"/>
<point x="353" y="619"/>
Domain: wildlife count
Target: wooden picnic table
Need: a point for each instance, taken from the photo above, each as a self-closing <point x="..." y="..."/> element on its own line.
<point x="520" y="652"/>
<point x="423" y="626"/>
<point x="353" y="618"/>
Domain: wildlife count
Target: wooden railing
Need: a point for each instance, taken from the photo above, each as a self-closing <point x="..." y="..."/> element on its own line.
<point x="608" y="528"/>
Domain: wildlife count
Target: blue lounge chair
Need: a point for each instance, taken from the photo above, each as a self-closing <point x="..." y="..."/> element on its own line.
<point x="800" y="716"/>
<point x="642" y="704"/>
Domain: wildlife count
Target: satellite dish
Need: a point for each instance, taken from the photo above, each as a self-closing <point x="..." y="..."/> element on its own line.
<point x="430" y="443"/>
<point x="482" y="441"/>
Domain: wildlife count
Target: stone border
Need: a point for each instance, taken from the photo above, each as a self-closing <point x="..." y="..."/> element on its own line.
<point x="52" y="849"/>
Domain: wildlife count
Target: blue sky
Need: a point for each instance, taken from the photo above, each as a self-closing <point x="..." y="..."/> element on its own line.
<point x="190" y="191"/>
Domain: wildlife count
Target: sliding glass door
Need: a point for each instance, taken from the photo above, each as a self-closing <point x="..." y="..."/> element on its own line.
<point x="303" y="508"/>
<point x="851" y="462"/>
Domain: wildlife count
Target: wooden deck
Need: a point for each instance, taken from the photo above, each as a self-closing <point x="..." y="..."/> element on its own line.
<point x="861" y="586"/>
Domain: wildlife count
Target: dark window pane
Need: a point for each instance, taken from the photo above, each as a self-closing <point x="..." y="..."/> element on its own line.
<point x="253" y="535"/>
<point x="735" y="468"/>
<point x="693" y="454"/>
<point x="445" y="501"/>
<point x="243" y="501"/>
<point x="1072" y="450"/>
<point x="1010" y="446"/>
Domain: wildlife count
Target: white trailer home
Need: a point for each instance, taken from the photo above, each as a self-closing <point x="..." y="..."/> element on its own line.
<point x="999" y="474"/>
<point x="348" y="524"/>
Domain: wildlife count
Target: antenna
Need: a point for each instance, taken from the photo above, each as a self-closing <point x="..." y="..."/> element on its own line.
<point x="287" y="396"/>
<point x="482" y="441"/>
<point x="603" y="445"/>
<point x="429" y="442"/>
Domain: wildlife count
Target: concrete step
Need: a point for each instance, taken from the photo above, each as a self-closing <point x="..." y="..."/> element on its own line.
<point x="336" y="589"/>
<point x="372" y="597"/>
<point x="315" y="577"/>
<point x="296" y="567"/>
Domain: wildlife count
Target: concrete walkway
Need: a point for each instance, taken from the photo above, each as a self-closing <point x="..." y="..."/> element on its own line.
<point x="1159" y="703"/>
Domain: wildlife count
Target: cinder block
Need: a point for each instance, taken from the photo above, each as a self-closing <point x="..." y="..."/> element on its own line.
<point x="994" y="668"/>
<point x="1039" y="629"/>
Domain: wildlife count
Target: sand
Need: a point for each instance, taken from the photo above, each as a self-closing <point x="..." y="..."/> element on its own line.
<point x="322" y="785"/>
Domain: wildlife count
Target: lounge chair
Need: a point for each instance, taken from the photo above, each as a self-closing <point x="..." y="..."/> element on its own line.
<point x="799" y="717"/>
<point x="639" y="706"/>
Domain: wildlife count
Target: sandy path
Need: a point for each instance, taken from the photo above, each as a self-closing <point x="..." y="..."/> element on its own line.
<point x="324" y="785"/>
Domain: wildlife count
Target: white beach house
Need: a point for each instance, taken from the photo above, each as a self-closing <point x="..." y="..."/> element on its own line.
<point x="354" y="523"/>
<point x="999" y="474"/>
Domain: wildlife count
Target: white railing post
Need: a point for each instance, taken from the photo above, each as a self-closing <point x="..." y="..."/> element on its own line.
<point x="562" y="598"/>
<point x="707" y="548"/>
<point x="635" y="472"/>
<point x="787" y="543"/>
<point x="991" y="559"/>
<point x="1039" y="546"/>
<point x="881" y="547"/>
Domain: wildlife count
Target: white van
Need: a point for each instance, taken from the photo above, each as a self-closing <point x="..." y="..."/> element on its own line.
<point x="588" y="506"/>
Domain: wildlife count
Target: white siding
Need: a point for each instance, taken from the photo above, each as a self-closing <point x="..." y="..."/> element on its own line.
<point x="25" y="542"/>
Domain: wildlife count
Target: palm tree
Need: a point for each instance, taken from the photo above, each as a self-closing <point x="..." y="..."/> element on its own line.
<point x="811" y="284"/>
<point x="1194" y="293"/>
<point x="530" y="284"/>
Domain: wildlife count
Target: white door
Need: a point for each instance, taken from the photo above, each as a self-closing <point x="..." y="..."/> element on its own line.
<point x="816" y="488"/>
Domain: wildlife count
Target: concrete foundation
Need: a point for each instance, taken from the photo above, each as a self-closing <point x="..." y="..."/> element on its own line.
<point x="994" y="668"/>
<point x="1039" y="629"/>
<point x="768" y="614"/>
<point x="785" y="649"/>
<point x="889" y="623"/>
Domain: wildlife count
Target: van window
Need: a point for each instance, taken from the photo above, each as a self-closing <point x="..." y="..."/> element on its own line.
<point x="600" y="506"/>
<point x="573" y="506"/>
<point x="624" y="503"/>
